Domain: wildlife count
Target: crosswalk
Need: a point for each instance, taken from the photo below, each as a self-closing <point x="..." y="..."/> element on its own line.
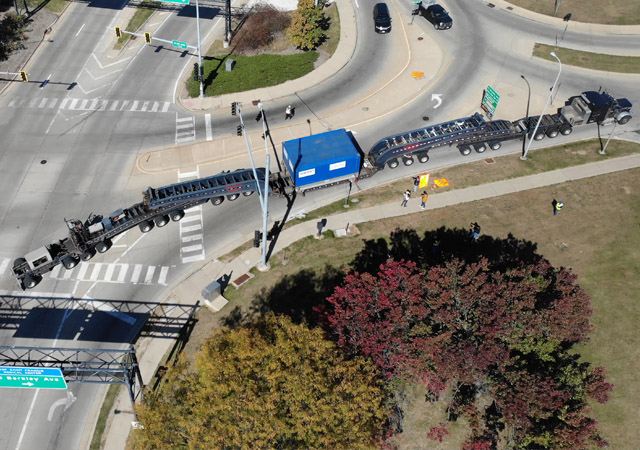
<point x="191" y="228"/>
<point x="185" y="129"/>
<point x="96" y="104"/>
<point x="118" y="273"/>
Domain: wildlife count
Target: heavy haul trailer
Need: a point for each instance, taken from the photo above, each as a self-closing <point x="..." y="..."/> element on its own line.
<point x="158" y="207"/>
<point x="475" y="133"/>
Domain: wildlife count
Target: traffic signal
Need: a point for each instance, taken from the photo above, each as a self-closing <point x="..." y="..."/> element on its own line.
<point x="202" y="72"/>
<point x="147" y="37"/>
<point x="196" y="72"/>
<point x="239" y="130"/>
<point x="24" y="76"/>
<point x="259" y="116"/>
<point x="118" y="32"/>
<point x="256" y="239"/>
<point x="234" y="108"/>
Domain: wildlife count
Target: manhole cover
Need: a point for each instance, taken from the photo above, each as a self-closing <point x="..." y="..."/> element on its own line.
<point x="44" y="161"/>
<point x="366" y="108"/>
<point x="510" y="8"/>
<point x="584" y="58"/>
<point x="426" y="118"/>
<point x="420" y="38"/>
<point x="490" y="160"/>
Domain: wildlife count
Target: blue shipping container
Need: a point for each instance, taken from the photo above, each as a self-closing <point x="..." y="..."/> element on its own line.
<point x="321" y="157"/>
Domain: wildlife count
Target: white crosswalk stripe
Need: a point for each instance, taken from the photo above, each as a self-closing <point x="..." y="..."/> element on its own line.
<point x="191" y="228"/>
<point x="4" y="264"/>
<point x="95" y="104"/>
<point x="117" y="273"/>
<point x="185" y="129"/>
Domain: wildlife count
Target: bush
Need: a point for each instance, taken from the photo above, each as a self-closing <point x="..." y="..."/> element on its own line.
<point x="261" y="28"/>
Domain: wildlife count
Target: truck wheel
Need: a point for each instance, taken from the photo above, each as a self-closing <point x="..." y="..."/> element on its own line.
<point x="465" y="150"/>
<point x="480" y="148"/>
<point x="248" y="193"/>
<point x="624" y="119"/>
<point x="18" y="262"/>
<point x="69" y="262"/>
<point x="146" y="226"/>
<point x="103" y="246"/>
<point x="538" y="136"/>
<point x="423" y="157"/>
<point x="217" y="201"/>
<point x="90" y="253"/>
<point x="393" y="163"/>
<point x="552" y="132"/>
<point x="31" y="281"/>
<point x="232" y="197"/>
<point x="176" y="215"/>
<point x="407" y="161"/>
<point x="495" y="145"/>
<point x="566" y="129"/>
<point x="161" y="221"/>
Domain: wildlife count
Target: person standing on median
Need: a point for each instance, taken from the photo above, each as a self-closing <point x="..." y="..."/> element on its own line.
<point x="424" y="199"/>
<point x="406" y="197"/>
<point x="289" y="112"/>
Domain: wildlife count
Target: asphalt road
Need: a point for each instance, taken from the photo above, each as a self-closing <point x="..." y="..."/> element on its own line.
<point x="89" y="154"/>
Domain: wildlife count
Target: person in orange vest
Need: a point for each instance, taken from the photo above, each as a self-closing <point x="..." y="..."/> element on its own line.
<point x="424" y="199"/>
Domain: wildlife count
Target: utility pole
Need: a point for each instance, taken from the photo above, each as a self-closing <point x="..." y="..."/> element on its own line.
<point x="200" y="68"/>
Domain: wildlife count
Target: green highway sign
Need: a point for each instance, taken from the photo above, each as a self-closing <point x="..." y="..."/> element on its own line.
<point x="182" y="45"/>
<point x="184" y="2"/>
<point x="490" y="100"/>
<point x="32" y="377"/>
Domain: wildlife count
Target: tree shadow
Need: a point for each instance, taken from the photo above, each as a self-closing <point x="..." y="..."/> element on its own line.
<point x="438" y="246"/>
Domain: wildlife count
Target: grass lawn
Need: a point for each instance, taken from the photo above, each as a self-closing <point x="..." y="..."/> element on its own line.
<point x="142" y="14"/>
<point x="596" y="234"/>
<point x="612" y="12"/>
<point x="252" y="72"/>
<point x="588" y="60"/>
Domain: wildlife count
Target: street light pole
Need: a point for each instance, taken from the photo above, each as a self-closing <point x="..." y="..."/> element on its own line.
<point x="553" y="88"/>
<point x="200" y="68"/>
<point x="524" y="139"/>
<point x="263" y="266"/>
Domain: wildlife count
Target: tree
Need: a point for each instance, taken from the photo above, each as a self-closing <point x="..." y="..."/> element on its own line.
<point x="500" y="340"/>
<point x="306" y="29"/>
<point x="11" y="34"/>
<point x="273" y="384"/>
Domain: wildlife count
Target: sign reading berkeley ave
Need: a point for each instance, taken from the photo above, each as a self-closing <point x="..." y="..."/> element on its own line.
<point x="32" y="377"/>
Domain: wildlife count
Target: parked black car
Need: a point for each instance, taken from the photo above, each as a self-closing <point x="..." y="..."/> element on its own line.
<point x="438" y="16"/>
<point x="381" y="18"/>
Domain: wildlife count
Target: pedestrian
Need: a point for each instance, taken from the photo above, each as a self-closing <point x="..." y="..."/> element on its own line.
<point x="416" y="182"/>
<point x="289" y="112"/>
<point x="475" y="230"/>
<point x="424" y="199"/>
<point x="557" y="206"/>
<point x="406" y="197"/>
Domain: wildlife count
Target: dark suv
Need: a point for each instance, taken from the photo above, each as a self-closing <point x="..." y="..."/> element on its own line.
<point x="438" y="16"/>
<point x="381" y="18"/>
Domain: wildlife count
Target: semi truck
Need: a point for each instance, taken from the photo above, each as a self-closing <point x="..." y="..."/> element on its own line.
<point x="474" y="133"/>
<point x="310" y="163"/>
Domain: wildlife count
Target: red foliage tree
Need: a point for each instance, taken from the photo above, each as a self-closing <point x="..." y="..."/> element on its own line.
<point x="504" y="336"/>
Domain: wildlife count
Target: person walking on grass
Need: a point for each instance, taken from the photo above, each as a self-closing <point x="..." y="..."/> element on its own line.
<point x="405" y="199"/>
<point x="424" y="199"/>
<point x="416" y="183"/>
<point x="557" y="206"/>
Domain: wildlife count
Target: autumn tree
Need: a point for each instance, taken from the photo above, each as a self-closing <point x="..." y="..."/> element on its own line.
<point x="499" y="340"/>
<point x="307" y="25"/>
<point x="273" y="384"/>
<point x="11" y="34"/>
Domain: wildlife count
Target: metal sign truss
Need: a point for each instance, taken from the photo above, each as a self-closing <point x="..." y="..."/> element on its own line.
<point x="81" y="365"/>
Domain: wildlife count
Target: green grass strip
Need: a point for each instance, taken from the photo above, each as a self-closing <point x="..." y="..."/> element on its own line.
<point x="101" y="424"/>
<point x="252" y="72"/>
<point x="588" y="60"/>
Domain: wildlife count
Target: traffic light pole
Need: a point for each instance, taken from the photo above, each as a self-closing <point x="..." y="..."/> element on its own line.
<point x="263" y="266"/>
<point x="199" y="49"/>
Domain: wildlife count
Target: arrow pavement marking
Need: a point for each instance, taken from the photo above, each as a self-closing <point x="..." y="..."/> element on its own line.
<point x="438" y="98"/>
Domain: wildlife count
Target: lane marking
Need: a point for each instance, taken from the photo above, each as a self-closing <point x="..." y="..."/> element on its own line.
<point x="207" y="124"/>
<point x="80" y="30"/>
